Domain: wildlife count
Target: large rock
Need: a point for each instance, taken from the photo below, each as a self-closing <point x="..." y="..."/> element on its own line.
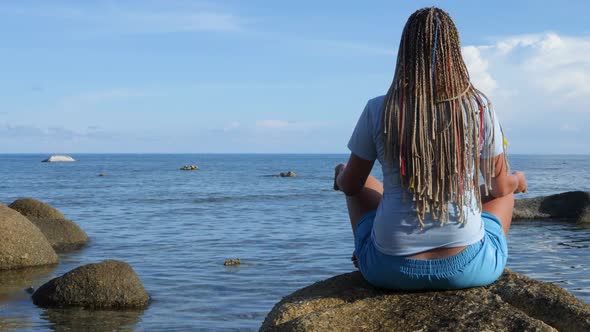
<point x="21" y="243"/>
<point x="572" y="205"/>
<point x="348" y="303"/>
<point x="109" y="284"/>
<point x="63" y="234"/>
<point x="58" y="158"/>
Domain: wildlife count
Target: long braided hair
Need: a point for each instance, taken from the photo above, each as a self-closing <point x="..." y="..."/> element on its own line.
<point x="434" y="118"/>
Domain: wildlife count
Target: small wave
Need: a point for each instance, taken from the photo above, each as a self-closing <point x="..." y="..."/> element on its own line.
<point x="257" y="197"/>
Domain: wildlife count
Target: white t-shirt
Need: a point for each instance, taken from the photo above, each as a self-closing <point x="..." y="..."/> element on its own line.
<point x="396" y="230"/>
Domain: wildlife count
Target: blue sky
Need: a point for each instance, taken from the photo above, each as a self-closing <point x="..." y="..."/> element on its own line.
<point x="269" y="76"/>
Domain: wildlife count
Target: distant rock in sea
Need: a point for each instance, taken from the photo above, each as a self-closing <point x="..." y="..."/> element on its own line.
<point x="289" y="174"/>
<point x="59" y="158"/>
<point x="109" y="284"/>
<point x="232" y="261"/>
<point x="21" y="243"/>
<point x="348" y="303"/>
<point x="62" y="234"/>
<point x="189" y="168"/>
<point x="571" y="205"/>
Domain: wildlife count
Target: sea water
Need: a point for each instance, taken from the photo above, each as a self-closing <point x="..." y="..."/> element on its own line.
<point x="176" y="228"/>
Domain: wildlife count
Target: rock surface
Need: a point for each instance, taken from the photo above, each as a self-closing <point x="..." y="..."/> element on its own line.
<point x="21" y="243"/>
<point x="572" y="205"/>
<point x="348" y="303"/>
<point x="189" y="168"/>
<point x="59" y="158"/>
<point x="109" y="284"/>
<point x="62" y="234"/>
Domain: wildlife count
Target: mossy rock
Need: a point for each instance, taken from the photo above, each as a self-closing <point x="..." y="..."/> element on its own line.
<point x="21" y="243"/>
<point x="62" y="234"/>
<point x="109" y="284"/>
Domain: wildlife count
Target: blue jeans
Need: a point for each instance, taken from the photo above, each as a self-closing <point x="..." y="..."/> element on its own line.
<point x="479" y="264"/>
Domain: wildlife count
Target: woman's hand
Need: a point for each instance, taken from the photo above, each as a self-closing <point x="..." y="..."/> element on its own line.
<point x="337" y="170"/>
<point x="355" y="261"/>
<point x="521" y="187"/>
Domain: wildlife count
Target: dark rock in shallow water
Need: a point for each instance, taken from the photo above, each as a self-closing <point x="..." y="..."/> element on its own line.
<point x="110" y="284"/>
<point x="573" y="205"/>
<point x="62" y="234"/>
<point x="21" y="243"/>
<point x="232" y="261"/>
<point x="289" y="174"/>
<point x="348" y="303"/>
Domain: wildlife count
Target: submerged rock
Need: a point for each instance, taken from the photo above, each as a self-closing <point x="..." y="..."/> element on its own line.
<point x="59" y="158"/>
<point x="572" y="205"/>
<point x="62" y="234"/>
<point x="189" y="168"/>
<point x="289" y="174"/>
<point x="109" y="284"/>
<point x="348" y="303"/>
<point x="21" y="243"/>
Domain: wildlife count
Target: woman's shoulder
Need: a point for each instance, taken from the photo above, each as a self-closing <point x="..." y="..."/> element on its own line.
<point x="376" y="103"/>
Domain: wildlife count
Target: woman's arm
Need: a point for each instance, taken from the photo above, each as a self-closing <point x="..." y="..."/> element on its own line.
<point x="504" y="183"/>
<point x="351" y="177"/>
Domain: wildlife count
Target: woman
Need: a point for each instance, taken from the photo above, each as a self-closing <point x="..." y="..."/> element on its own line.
<point x="427" y="226"/>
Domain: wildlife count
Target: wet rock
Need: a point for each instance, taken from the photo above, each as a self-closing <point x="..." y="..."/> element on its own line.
<point x="21" y="243"/>
<point x="102" y="174"/>
<point x="109" y="284"/>
<point x="571" y="205"/>
<point x="348" y="303"/>
<point x="231" y="262"/>
<point x="289" y="174"/>
<point x="59" y="158"/>
<point x="189" y="168"/>
<point x="62" y="234"/>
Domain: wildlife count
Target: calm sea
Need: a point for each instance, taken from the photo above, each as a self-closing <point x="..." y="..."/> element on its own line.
<point x="176" y="228"/>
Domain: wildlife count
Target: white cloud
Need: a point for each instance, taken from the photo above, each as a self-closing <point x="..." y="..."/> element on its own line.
<point x="272" y="124"/>
<point x="478" y="69"/>
<point x="79" y="102"/>
<point x="554" y="67"/>
<point x="540" y="86"/>
<point x="569" y="128"/>
<point x="231" y="126"/>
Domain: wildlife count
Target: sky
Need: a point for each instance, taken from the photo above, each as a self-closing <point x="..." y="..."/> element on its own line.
<point x="170" y="76"/>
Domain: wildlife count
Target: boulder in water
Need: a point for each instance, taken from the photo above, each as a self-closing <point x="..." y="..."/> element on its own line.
<point x="289" y="174"/>
<point x="348" y="303"/>
<point x="571" y="205"/>
<point x="109" y="284"/>
<point x="62" y="234"/>
<point x="59" y="158"/>
<point x="21" y="243"/>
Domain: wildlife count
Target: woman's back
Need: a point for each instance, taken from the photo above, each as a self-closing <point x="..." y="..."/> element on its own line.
<point x="397" y="230"/>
